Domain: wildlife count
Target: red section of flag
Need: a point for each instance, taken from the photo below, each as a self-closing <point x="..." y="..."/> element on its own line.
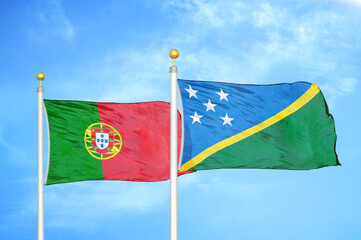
<point x="145" y="129"/>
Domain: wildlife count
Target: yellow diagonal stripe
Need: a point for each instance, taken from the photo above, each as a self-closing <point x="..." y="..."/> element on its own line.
<point x="300" y="102"/>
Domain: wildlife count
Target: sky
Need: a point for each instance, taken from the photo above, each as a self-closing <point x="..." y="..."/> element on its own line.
<point x="117" y="51"/>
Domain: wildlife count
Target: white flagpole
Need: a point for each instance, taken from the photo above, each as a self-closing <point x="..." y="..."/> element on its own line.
<point x="173" y="148"/>
<point x="40" y="76"/>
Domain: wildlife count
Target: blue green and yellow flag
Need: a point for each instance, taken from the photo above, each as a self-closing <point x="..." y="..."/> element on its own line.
<point x="279" y="126"/>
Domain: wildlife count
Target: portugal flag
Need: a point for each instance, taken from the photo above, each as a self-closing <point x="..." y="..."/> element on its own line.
<point x="108" y="141"/>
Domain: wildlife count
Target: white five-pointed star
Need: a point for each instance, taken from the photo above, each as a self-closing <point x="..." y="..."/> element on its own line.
<point x="196" y="118"/>
<point x="222" y="95"/>
<point x="227" y="119"/>
<point x="210" y="106"/>
<point x="192" y="92"/>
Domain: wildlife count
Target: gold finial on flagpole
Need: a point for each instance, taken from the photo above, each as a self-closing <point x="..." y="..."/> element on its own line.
<point x="173" y="54"/>
<point x="40" y="76"/>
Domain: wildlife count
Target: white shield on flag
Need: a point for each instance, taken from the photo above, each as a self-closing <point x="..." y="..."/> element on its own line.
<point x="102" y="140"/>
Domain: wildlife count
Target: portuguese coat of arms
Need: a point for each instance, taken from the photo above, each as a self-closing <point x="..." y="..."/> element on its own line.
<point x="102" y="141"/>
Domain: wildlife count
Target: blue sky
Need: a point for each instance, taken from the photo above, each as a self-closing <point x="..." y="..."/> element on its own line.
<point x="118" y="51"/>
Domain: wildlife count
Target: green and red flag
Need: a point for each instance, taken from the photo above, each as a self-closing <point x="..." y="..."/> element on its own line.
<point x="108" y="141"/>
<point x="279" y="126"/>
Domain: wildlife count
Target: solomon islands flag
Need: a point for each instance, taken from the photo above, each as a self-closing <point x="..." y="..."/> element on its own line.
<point x="279" y="126"/>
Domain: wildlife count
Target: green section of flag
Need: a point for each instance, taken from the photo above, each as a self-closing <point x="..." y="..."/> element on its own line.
<point x="69" y="160"/>
<point x="304" y="140"/>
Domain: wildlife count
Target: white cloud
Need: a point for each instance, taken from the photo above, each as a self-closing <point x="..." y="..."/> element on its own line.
<point x="211" y="13"/>
<point x="213" y="187"/>
<point x="314" y="44"/>
<point x="134" y="75"/>
<point x="14" y="150"/>
<point x="53" y="22"/>
<point x="311" y="42"/>
<point x="335" y="88"/>
<point x="84" y="205"/>
<point x="267" y="16"/>
<point x="353" y="2"/>
<point x="348" y="85"/>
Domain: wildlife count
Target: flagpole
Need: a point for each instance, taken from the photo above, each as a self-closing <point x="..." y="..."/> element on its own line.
<point x="173" y="148"/>
<point x="40" y="76"/>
